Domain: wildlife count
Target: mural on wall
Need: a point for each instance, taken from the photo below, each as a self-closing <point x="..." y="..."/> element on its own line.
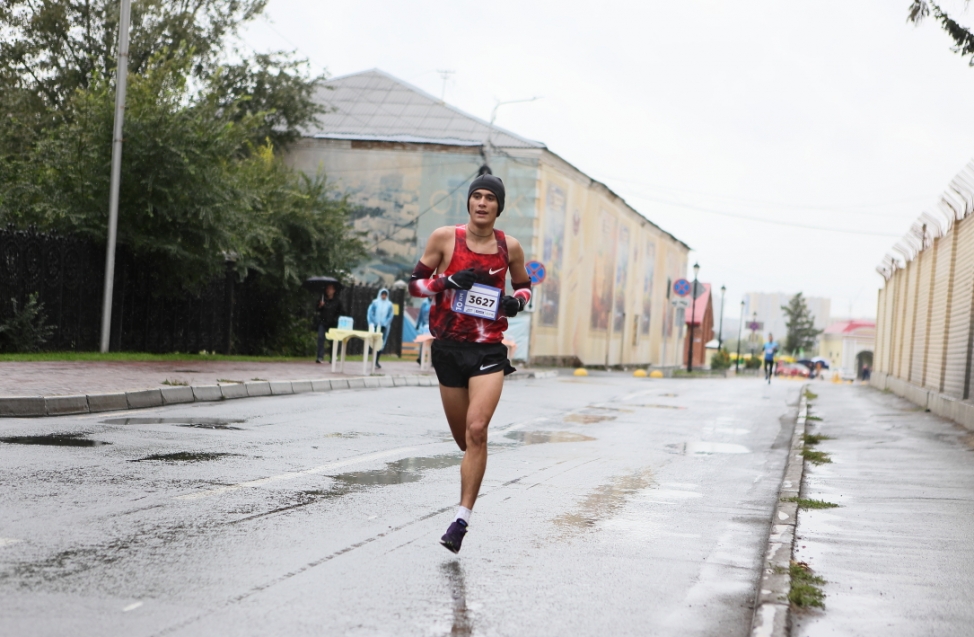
<point x="552" y="254"/>
<point x="650" y="269"/>
<point x="602" y="271"/>
<point x="622" y="254"/>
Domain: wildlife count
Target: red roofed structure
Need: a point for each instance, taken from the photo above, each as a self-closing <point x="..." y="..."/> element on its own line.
<point x="701" y="312"/>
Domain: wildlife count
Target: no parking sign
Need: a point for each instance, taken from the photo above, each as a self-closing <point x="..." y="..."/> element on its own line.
<point x="536" y="271"/>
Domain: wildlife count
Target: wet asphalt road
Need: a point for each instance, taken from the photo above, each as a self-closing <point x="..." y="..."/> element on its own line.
<point x="611" y="505"/>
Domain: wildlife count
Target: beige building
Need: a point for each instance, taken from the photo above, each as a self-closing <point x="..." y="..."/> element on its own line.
<point x="406" y="158"/>
<point x="848" y="346"/>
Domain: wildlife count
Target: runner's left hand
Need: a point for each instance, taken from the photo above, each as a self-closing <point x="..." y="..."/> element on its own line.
<point x="511" y="305"/>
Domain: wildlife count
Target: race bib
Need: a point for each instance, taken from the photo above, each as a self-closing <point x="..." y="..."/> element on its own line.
<point x="481" y="301"/>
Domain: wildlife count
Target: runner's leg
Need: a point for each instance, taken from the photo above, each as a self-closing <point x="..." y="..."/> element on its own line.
<point x="484" y="394"/>
<point x="456" y="402"/>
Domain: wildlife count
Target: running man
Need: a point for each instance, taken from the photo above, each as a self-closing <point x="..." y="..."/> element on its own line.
<point x="465" y="269"/>
<point x="770" y="349"/>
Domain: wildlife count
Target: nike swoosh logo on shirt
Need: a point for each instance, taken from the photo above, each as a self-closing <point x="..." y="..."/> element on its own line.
<point x="483" y="367"/>
<point x="495" y="271"/>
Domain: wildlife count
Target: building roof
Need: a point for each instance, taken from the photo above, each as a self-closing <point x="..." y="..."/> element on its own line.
<point x="848" y="327"/>
<point x="699" y="307"/>
<point x="375" y="106"/>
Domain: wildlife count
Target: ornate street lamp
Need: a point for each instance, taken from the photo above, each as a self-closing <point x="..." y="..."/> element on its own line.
<point x="720" y="330"/>
<point x="740" y="335"/>
<point x="693" y="312"/>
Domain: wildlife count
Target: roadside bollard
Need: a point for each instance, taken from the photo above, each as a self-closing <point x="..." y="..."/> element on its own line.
<point x="640" y="373"/>
<point x="581" y="371"/>
<point x="656" y="374"/>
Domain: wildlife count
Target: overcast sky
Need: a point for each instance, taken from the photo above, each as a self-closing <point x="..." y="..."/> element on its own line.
<point x="828" y="114"/>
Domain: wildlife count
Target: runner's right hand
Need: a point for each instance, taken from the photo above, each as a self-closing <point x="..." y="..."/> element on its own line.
<point x="462" y="280"/>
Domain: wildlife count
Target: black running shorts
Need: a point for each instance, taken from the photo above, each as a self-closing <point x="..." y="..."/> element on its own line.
<point x="457" y="362"/>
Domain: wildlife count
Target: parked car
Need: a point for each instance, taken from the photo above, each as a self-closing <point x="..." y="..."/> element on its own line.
<point x="792" y="370"/>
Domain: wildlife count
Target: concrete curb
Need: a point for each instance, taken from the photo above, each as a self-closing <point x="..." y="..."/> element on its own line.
<point x="772" y="612"/>
<point x="33" y="406"/>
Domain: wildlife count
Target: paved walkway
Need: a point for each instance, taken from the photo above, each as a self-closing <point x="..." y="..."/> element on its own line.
<point x="70" y="378"/>
<point x="898" y="554"/>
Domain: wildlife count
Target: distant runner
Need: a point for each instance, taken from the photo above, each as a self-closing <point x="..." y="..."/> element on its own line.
<point x="770" y="349"/>
<point x="465" y="268"/>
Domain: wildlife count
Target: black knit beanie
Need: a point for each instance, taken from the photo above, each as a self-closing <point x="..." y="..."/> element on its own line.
<point x="491" y="183"/>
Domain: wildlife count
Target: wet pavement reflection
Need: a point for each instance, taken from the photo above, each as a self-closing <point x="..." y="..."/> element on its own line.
<point x="462" y="621"/>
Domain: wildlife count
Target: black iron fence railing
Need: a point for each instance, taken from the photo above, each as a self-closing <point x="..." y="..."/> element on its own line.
<point x="227" y="316"/>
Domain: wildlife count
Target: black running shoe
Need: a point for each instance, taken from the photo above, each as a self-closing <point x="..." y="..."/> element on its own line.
<point x="454" y="536"/>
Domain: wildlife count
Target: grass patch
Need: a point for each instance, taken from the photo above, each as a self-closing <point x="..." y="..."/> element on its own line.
<point x="813" y="418"/>
<point x="805" y="587"/>
<point x="810" y="395"/>
<point x="814" y="439"/>
<point x="816" y="457"/>
<point x="175" y="382"/>
<point x="228" y="380"/>
<point x="805" y="503"/>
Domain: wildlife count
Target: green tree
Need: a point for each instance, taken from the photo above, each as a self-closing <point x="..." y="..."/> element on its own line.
<point x="801" y="325"/>
<point x="962" y="36"/>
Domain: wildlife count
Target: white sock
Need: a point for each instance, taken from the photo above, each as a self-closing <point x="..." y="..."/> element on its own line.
<point x="463" y="513"/>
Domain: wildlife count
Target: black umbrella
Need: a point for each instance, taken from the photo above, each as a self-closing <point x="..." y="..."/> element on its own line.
<point x="317" y="284"/>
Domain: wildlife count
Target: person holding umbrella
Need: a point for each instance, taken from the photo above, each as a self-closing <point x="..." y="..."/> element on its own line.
<point x="329" y="309"/>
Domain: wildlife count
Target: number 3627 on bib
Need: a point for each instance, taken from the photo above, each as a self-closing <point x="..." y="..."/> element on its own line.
<point x="481" y="301"/>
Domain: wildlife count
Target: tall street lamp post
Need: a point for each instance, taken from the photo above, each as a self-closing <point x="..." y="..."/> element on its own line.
<point x="740" y="335"/>
<point x="720" y="330"/>
<point x="693" y="313"/>
<point x="121" y="80"/>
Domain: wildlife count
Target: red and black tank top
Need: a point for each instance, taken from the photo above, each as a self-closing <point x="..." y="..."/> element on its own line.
<point x="491" y="269"/>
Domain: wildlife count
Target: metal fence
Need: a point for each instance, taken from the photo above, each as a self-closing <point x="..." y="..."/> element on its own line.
<point x="925" y="317"/>
<point x="227" y="316"/>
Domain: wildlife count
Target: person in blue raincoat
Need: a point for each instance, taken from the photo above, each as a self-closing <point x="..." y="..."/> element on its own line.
<point x="380" y="314"/>
<point x="423" y="320"/>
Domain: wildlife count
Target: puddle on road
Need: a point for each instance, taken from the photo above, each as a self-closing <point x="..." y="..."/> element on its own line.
<point x="185" y="456"/>
<point x="707" y="448"/>
<point x="655" y="406"/>
<point x="400" y="471"/>
<point x="55" y="440"/>
<point x="605" y="501"/>
<point x="587" y="419"/>
<point x="185" y="421"/>
<point x="625" y="411"/>
<point x="541" y="437"/>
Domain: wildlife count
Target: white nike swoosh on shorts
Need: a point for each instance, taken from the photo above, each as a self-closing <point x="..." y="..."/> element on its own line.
<point x="483" y="367"/>
<point x="495" y="271"/>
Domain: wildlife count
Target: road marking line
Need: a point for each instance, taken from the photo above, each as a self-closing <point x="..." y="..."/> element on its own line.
<point x="290" y="475"/>
<point x="7" y="541"/>
<point x="131" y="607"/>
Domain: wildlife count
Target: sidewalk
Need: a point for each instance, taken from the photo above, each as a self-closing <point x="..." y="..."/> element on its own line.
<point x="75" y="377"/>
<point x="898" y="555"/>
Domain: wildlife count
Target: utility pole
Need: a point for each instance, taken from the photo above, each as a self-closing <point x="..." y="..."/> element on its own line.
<point x="720" y="330"/>
<point x="693" y="312"/>
<point x="125" y="12"/>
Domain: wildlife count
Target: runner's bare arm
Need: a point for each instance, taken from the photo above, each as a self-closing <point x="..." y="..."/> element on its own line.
<point x="520" y="280"/>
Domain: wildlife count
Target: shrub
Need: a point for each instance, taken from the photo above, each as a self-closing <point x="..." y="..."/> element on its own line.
<point x="26" y="330"/>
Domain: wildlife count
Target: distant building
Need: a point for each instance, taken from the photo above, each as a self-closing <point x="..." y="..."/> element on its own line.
<point x="848" y="345"/>
<point x="701" y="316"/>
<point x="768" y="308"/>
<point x="406" y="158"/>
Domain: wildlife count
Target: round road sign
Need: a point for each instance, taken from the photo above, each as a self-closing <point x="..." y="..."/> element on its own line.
<point x="536" y="271"/>
<point x="681" y="287"/>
